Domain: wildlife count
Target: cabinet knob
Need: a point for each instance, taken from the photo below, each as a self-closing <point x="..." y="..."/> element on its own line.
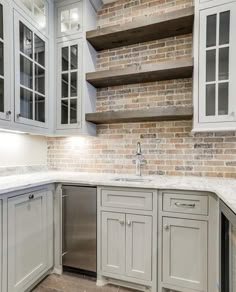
<point x="8" y="113"/>
<point x="166" y="227"/>
<point x="129" y="223"/>
<point x="122" y="222"/>
<point x="31" y="197"/>
<point x="18" y="116"/>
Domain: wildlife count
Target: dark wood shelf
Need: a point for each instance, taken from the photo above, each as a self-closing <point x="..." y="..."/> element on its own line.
<point x="170" y="113"/>
<point x="145" y="28"/>
<point x="175" y="69"/>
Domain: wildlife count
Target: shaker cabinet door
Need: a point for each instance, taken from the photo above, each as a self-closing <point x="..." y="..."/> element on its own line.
<point x="27" y="240"/>
<point x="113" y="242"/>
<point x="139" y="246"/>
<point x="185" y="253"/>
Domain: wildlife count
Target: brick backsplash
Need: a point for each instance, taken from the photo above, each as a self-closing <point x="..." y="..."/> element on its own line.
<point x="169" y="148"/>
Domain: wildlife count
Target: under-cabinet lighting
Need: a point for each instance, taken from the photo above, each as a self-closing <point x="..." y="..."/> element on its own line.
<point x="11" y="131"/>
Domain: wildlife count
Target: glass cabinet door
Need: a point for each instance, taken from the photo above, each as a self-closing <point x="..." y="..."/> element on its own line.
<point x="69" y="84"/>
<point x="38" y="10"/>
<point x="5" y="112"/>
<point x="31" y="74"/>
<point x="217" y="64"/>
<point x="69" y="19"/>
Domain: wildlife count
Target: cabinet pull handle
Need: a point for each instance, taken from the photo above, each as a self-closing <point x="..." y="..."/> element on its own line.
<point x="31" y="197"/>
<point x="122" y="222"/>
<point x="185" y="205"/>
<point x="129" y="223"/>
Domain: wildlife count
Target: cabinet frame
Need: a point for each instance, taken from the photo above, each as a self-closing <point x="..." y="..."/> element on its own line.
<point x="18" y="119"/>
<point x="6" y="61"/>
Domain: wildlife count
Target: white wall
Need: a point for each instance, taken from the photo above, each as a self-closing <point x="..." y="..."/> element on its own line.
<point x="22" y="150"/>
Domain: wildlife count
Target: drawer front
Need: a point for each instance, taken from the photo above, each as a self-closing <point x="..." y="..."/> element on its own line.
<point x="185" y="203"/>
<point x="127" y="199"/>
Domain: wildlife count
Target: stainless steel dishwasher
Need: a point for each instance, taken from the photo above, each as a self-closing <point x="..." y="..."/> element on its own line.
<point x="79" y="229"/>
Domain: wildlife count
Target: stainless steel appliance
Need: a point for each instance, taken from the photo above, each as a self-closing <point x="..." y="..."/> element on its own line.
<point x="79" y="228"/>
<point x="228" y="249"/>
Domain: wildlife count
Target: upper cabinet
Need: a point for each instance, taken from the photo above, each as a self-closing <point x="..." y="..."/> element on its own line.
<point x="215" y="63"/>
<point x="37" y="11"/>
<point x="44" y="58"/>
<point x="31" y="74"/>
<point x="69" y="19"/>
<point x="5" y="103"/>
<point x="74" y="58"/>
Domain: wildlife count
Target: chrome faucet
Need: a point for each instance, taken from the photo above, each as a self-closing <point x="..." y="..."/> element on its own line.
<point x="139" y="158"/>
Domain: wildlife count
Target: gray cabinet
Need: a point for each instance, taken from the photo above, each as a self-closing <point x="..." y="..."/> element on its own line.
<point x="127" y="244"/>
<point x="30" y="223"/>
<point x="113" y="242"/>
<point x="215" y="44"/>
<point x="139" y="246"/>
<point x="185" y="253"/>
<point x="1" y="245"/>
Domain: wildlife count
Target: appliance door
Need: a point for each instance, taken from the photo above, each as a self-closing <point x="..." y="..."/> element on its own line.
<point x="79" y="227"/>
<point x="228" y="249"/>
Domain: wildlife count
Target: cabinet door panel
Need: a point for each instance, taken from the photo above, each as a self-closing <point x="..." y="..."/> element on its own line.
<point x="185" y="253"/>
<point x="113" y="242"/>
<point x="27" y="239"/>
<point x="139" y="246"/>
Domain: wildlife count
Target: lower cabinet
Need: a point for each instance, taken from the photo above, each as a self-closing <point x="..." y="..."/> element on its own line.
<point x="185" y="253"/>
<point x="127" y="245"/>
<point x="30" y="222"/>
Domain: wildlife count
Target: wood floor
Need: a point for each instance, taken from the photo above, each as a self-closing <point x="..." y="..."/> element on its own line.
<point x="75" y="283"/>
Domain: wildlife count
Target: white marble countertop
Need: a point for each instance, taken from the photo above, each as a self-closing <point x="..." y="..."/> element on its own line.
<point x="223" y="188"/>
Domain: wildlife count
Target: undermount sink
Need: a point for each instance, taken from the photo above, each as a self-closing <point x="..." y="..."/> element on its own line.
<point x="125" y="179"/>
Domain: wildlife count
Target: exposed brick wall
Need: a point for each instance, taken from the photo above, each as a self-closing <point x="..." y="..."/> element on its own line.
<point x="169" y="147"/>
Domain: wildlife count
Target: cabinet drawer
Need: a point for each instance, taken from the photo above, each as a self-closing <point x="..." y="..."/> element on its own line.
<point x="185" y="203"/>
<point x="130" y="199"/>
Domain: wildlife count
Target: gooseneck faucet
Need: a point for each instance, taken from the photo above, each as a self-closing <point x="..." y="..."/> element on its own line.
<point x="139" y="158"/>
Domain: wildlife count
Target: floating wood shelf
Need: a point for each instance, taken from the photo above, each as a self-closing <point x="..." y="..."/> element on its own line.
<point x="170" y="113"/>
<point x="145" y="28"/>
<point x="182" y="68"/>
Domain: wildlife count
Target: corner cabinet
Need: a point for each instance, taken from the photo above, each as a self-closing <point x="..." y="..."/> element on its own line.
<point x="74" y="58"/>
<point x="188" y="241"/>
<point x="30" y="237"/>
<point x="215" y="63"/>
<point x="127" y="245"/>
